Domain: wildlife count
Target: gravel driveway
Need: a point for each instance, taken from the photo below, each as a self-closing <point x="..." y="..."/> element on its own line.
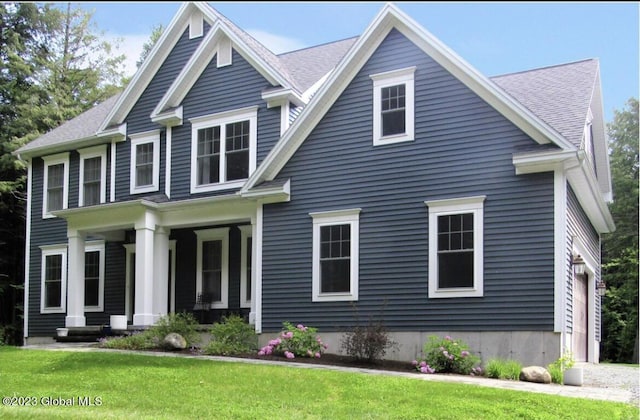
<point x="613" y="376"/>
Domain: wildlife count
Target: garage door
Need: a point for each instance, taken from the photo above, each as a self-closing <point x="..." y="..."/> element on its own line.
<point x="580" y="318"/>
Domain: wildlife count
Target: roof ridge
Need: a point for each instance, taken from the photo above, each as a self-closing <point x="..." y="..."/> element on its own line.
<point x="317" y="46"/>
<point x="543" y="68"/>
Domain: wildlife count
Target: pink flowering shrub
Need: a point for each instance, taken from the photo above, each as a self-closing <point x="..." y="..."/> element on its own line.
<point x="295" y="341"/>
<point x="446" y="355"/>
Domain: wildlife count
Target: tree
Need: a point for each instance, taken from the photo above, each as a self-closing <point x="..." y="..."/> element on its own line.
<point x="620" y="249"/>
<point x="156" y="33"/>
<point x="54" y="66"/>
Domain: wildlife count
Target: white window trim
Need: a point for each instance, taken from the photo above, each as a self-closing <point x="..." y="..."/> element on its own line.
<point x="391" y="78"/>
<point x="138" y="139"/>
<point x="92" y="247"/>
<point x="246" y="232"/>
<point x="49" y="250"/>
<point x="338" y="217"/>
<point x="218" y="234"/>
<point x="474" y="205"/>
<point x="90" y="153"/>
<point x="61" y="158"/>
<point x="220" y="119"/>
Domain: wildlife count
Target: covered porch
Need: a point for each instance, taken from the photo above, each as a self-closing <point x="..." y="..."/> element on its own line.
<point x="195" y="256"/>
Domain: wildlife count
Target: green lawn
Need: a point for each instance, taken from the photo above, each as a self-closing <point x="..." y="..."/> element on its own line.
<point x="136" y="386"/>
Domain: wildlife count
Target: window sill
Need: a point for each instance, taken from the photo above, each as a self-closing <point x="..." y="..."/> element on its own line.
<point x="335" y="297"/>
<point x="53" y="311"/>
<point x="218" y="187"/>
<point x="142" y="190"/>
<point x="398" y="138"/>
<point x="456" y="293"/>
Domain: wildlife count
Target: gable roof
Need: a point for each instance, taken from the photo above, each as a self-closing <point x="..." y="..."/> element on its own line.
<point x="390" y="17"/>
<point x="83" y="127"/>
<point x="560" y="95"/>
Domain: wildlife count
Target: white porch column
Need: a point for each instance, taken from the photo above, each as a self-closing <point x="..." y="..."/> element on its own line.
<point x="161" y="272"/>
<point x="143" y="305"/>
<point x="75" y="295"/>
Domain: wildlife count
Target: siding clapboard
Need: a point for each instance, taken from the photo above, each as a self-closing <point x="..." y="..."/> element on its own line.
<point x="463" y="148"/>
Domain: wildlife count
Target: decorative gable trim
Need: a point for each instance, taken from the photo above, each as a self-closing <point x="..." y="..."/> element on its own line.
<point x="154" y="61"/>
<point x="214" y="41"/>
<point x="196" y="25"/>
<point x="391" y="17"/>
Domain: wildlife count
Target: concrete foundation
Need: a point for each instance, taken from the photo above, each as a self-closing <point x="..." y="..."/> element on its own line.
<point x="527" y="347"/>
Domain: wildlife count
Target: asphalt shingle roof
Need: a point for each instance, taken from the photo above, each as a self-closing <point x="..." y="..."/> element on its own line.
<point x="559" y="95"/>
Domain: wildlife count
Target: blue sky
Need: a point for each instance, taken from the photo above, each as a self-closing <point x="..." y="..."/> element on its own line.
<point x="495" y="38"/>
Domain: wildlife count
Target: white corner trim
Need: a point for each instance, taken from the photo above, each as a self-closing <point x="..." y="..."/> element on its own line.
<point x="112" y="182"/>
<point x="167" y="162"/>
<point x="256" y="295"/>
<point x="560" y="250"/>
<point x="27" y="250"/>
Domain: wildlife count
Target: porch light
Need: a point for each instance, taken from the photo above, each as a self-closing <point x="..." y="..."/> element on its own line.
<point x="602" y="288"/>
<point x="578" y="265"/>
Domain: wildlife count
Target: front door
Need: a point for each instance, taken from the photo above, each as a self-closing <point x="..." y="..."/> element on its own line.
<point x="580" y="318"/>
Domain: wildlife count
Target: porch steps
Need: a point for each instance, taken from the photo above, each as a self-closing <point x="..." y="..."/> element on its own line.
<point x="88" y="334"/>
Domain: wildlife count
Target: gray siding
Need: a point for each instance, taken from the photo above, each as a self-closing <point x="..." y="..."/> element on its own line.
<point x="138" y="120"/>
<point x="217" y="90"/>
<point x="463" y="148"/>
<point x="579" y="226"/>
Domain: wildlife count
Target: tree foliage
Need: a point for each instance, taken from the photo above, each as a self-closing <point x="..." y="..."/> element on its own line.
<point x="54" y="66"/>
<point x="156" y="33"/>
<point x="620" y="249"/>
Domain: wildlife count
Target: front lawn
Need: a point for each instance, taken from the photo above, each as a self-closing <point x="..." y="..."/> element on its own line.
<point x="61" y="384"/>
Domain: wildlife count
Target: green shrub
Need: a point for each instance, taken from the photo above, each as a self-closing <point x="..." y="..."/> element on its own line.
<point x="295" y="341"/>
<point x="503" y="369"/>
<point x="556" y="369"/>
<point x="446" y="355"/>
<point x="182" y="323"/>
<point x="232" y="336"/>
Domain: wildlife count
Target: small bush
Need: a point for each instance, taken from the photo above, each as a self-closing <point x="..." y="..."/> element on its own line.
<point x="368" y="343"/>
<point x="556" y="373"/>
<point x="295" y="341"/>
<point x="232" y="336"/>
<point x="182" y="323"/>
<point x="503" y="369"/>
<point x="556" y="369"/>
<point x="446" y="355"/>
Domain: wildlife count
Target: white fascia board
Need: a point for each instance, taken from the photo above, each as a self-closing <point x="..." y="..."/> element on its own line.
<point x="150" y="66"/>
<point x="118" y="133"/>
<point x="278" y="194"/>
<point x="170" y="118"/>
<point x="276" y="97"/>
<point x="391" y="17"/>
<point x="580" y="176"/>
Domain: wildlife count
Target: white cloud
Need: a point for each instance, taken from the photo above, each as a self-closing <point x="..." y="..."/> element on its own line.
<point x="131" y="45"/>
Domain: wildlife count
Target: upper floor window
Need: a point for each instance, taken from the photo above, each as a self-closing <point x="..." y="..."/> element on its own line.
<point x="456" y="247"/>
<point x="335" y="255"/>
<point x="145" y="162"/>
<point x="393" y="106"/>
<point x="93" y="176"/>
<point x="223" y="149"/>
<point x="56" y="183"/>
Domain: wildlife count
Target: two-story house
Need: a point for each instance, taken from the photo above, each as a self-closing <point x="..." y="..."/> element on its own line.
<point x="382" y="172"/>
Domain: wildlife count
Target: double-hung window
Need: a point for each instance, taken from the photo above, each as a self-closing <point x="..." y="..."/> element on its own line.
<point x="393" y="106"/>
<point x="335" y="255"/>
<point x="93" y="175"/>
<point x="223" y="149"/>
<point x="212" y="276"/>
<point x="456" y="247"/>
<point x="145" y="162"/>
<point x="53" y="279"/>
<point x="94" y="277"/>
<point x="56" y="183"/>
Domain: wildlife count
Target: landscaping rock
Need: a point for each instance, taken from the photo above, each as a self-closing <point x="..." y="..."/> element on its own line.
<point x="174" y="341"/>
<point x="535" y="374"/>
